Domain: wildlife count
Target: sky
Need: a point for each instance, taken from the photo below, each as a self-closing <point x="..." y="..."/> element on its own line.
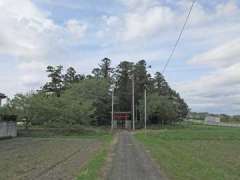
<point x="205" y="68"/>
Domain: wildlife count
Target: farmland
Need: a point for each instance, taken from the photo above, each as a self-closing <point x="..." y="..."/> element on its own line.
<point x="48" y="157"/>
<point x="195" y="152"/>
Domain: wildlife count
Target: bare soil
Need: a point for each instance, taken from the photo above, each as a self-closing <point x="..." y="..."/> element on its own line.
<point x="44" y="158"/>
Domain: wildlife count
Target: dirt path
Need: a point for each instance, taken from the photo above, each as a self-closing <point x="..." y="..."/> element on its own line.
<point x="131" y="162"/>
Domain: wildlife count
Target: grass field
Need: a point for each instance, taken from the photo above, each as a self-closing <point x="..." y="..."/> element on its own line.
<point x="49" y="154"/>
<point x="195" y="152"/>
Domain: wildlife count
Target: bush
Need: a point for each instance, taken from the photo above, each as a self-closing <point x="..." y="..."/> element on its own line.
<point x="8" y="117"/>
<point x="161" y="109"/>
<point x="82" y="103"/>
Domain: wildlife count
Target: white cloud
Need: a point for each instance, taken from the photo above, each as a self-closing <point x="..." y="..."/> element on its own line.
<point x="229" y="8"/>
<point x="143" y="19"/>
<point x="111" y="20"/>
<point x="221" y="78"/>
<point x="33" y="74"/>
<point x="32" y="65"/>
<point x="218" y="90"/>
<point x="26" y="34"/>
<point x="140" y="25"/>
<point x="146" y="19"/>
<point x="25" y="30"/>
<point x="76" y="28"/>
<point x="139" y="4"/>
<point x="29" y="35"/>
<point x="212" y="32"/>
<point x="222" y="56"/>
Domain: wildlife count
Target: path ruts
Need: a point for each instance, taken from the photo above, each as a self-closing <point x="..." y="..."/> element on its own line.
<point x="131" y="162"/>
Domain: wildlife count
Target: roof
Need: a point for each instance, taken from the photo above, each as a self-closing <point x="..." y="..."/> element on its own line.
<point x="2" y="95"/>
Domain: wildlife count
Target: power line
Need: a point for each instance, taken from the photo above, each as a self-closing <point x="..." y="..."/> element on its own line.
<point x="179" y="37"/>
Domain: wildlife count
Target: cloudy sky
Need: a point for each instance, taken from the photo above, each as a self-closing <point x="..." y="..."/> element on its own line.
<point x="205" y="68"/>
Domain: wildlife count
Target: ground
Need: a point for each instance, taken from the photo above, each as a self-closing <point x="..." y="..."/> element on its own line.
<point x="131" y="162"/>
<point x="195" y="152"/>
<point x="182" y="152"/>
<point x="44" y="158"/>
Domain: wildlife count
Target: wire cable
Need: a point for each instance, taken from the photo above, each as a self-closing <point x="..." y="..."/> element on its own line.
<point x="179" y="37"/>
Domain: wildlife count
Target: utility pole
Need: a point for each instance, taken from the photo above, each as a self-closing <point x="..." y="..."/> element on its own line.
<point x="145" y="108"/>
<point x="145" y="105"/>
<point x="133" y="99"/>
<point x="112" y="107"/>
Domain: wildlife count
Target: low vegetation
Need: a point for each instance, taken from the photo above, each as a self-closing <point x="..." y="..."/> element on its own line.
<point x="93" y="170"/>
<point x="195" y="152"/>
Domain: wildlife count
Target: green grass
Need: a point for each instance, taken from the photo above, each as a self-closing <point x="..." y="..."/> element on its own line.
<point x="195" y="152"/>
<point x="92" y="169"/>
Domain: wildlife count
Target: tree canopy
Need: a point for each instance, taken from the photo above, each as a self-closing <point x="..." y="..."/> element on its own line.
<point x="70" y="98"/>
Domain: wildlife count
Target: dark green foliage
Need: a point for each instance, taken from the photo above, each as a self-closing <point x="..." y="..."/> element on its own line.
<point x="83" y="103"/>
<point x="141" y="79"/>
<point x="162" y="109"/>
<point x="105" y="68"/>
<point x="72" y="77"/>
<point x="56" y="80"/>
<point x="97" y="73"/>
<point x="123" y="86"/>
<point x="71" y="98"/>
<point x="4" y="117"/>
<point x="96" y="91"/>
<point x="167" y="105"/>
<point x="161" y="85"/>
<point x="230" y="119"/>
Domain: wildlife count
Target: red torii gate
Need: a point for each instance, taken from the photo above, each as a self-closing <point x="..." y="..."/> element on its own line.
<point x="121" y="118"/>
<point x="121" y="115"/>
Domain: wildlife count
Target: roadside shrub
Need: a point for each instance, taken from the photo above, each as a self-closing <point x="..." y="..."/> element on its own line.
<point x="8" y="118"/>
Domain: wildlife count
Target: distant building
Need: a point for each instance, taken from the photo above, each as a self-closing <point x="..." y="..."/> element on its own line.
<point x="8" y="125"/>
<point x="212" y="120"/>
<point x="2" y="96"/>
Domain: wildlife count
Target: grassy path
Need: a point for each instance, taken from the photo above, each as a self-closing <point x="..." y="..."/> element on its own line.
<point x="93" y="169"/>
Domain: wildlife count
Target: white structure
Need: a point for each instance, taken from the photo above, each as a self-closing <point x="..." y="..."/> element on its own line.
<point x="212" y="120"/>
<point x="8" y="129"/>
<point x="2" y="96"/>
